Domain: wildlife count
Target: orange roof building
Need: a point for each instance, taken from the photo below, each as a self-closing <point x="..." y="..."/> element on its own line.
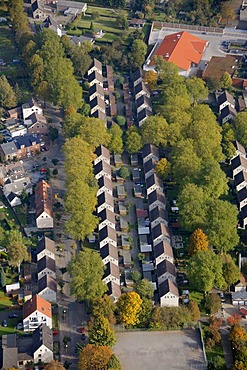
<point x="43" y="203"/>
<point x="36" y="311"/>
<point x="181" y="48"/>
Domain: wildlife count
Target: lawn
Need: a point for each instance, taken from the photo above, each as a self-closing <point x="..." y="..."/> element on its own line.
<point x="5" y="302"/>
<point x="9" y="220"/>
<point x="21" y="214"/>
<point x="103" y="11"/>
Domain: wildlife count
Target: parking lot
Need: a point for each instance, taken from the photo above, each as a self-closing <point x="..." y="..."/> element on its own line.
<point x="173" y="350"/>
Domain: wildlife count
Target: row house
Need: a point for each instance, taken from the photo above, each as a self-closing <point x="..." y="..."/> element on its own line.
<point x="142" y="97"/>
<point x="226" y="107"/>
<point x="21" y="147"/>
<point x="107" y="222"/>
<point x="36" y="311"/>
<point x="44" y="205"/>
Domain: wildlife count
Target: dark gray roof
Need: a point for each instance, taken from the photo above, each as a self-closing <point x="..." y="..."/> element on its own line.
<point x="11" y="196"/>
<point x="42" y="336"/>
<point x="143" y="100"/>
<point x="105" y="198"/>
<point x="168" y="286"/>
<point x="80" y="39"/>
<point x="166" y="267"/>
<point x="96" y="88"/>
<point x="244" y="211"/>
<point x="160" y="229"/>
<point x="47" y="282"/>
<point x="50" y="21"/>
<point x="27" y="140"/>
<point x="150" y="149"/>
<point x="9" y="352"/>
<point x="163" y="248"/>
<point x="139" y="73"/>
<point x="114" y="289"/>
<point x="225" y="96"/>
<point x="226" y="111"/>
<point x="237" y="162"/>
<point x="46" y="244"/>
<point x="9" y="148"/>
<point x="34" y="6"/>
<point x="96" y="63"/>
<point x="240" y="177"/>
<point x="103" y="181"/>
<point x="106" y="214"/>
<point x="156" y="213"/>
<point x="144" y="113"/>
<point x="149" y="165"/>
<point x="141" y="87"/>
<point x="154" y="180"/>
<point x="107" y="232"/>
<point x="46" y="262"/>
<point x="111" y="269"/>
<point x="97" y="102"/>
<point x="102" y="166"/>
<point x="156" y="195"/>
<point x="95" y="75"/>
<point x="109" y="250"/>
<point x="242" y="194"/>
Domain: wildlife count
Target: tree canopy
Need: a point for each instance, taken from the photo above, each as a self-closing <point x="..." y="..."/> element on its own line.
<point x="7" y="94"/>
<point x="17" y="248"/>
<point x="100" y="332"/>
<point x="133" y="140"/>
<point x="129" y="307"/>
<point x="198" y="242"/>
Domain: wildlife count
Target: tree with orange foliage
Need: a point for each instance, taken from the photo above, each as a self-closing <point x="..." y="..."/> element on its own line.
<point x="54" y="365"/>
<point x="94" y="357"/>
<point x="236" y="335"/>
<point x="235" y="319"/>
<point x="151" y="79"/>
<point x="198" y="242"/>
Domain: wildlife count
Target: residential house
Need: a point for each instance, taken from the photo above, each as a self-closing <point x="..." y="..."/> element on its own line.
<point x="36" y="124"/>
<point x="240" y="150"/>
<point x="42" y="344"/>
<point x="110" y="80"/>
<point x="163" y="251"/>
<point x="158" y="215"/>
<point x="243" y="215"/>
<point x="96" y="90"/>
<point x="238" y="164"/>
<point x="27" y="145"/>
<point x="97" y="104"/>
<point x="137" y="76"/>
<point x="153" y="182"/>
<point x="95" y="78"/>
<point x="107" y="235"/>
<point x="166" y="270"/>
<point x="8" y="151"/>
<point x="227" y="114"/>
<point x="239" y="298"/>
<point x="53" y="25"/>
<point x="182" y="48"/>
<point x="169" y="295"/>
<point x="121" y="192"/>
<point x="79" y="40"/>
<point x="143" y="115"/>
<point x="29" y="108"/>
<point x="36" y="311"/>
<point x="126" y="258"/>
<point x="150" y="151"/>
<point x="15" y="112"/>
<point x="102" y="169"/>
<point x="225" y="99"/>
<point x="107" y="218"/>
<point x="240" y="180"/>
<point x="143" y="102"/>
<point x="160" y="233"/>
<point x="137" y="23"/>
<point x="46" y="266"/>
<point x="111" y="273"/>
<point x="37" y="9"/>
<point x="96" y="66"/>
<point x="15" y="127"/>
<point x="43" y="204"/>
<point x="100" y="115"/>
<point x="217" y="66"/>
<point x="102" y="154"/>
<point x="149" y="167"/>
<point x="105" y="201"/>
<point x="114" y="290"/>
<point x="9" y="352"/>
<point x="45" y="247"/>
<point x="109" y="253"/>
<point x="156" y="199"/>
<point x="13" y="199"/>
<point x="47" y="288"/>
<point x="140" y="90"/>
<point x="105" y="185"/>
<point x="242" y="197"/>
<point x="71" y="7"/>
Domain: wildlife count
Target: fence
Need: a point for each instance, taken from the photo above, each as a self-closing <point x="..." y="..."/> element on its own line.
<point x="188" y="27"/>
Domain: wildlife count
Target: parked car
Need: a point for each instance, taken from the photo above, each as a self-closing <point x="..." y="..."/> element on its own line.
<point x="55" y="332"/>
<point x="83" y="336"/>
<point x="4" y="323"/>
<point x="13" y="316"/>
<point x="19" y="326"/>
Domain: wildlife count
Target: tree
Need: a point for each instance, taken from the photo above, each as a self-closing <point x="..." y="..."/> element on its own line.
<point x="196" y="89"/>
<point x="194" y="310"/>
<point x="198" y="242"/>
<point x="163" y="168"/>
<point x="217" y="363"/>
<point x="104" y="307"/>
<point x="94" y="357"/>
<point x="145" y="316"/>
<point x="228" y="137"/>
<point x="95" y="15"/>
<point x="136" y="276"/>
<point x="81" y="58"/>
<point x="17" y="248"/>
<point x="129" y="307"/>
<point x="205" y="271"/>
<point x="114" y="363"/>
<point x="120" y="120"/>
<point x="86" y="270"/>
<point x="212" y="179"/>
<point x="7" y="94"/>
<point x="54" y="365"/>
<point x="222" y="225"/>
<point x="151" y="78"/>
<point x="2" y="278"/>
<point x="230" y="270"/>
<point x="227" y="11"/>
<point x="121" y="20"/>
<point x="213" y="83"/>
<point x="53" y="133"/>
<point x="226" y="80"/>
<point x="235" y="319"/>
<point x="239" y="365"/>
<point x="133" y="140"/>
<point x="116" y="142"/>
<point x="101" y="332"/>
<point x="240" y="122"/>
<point x="192" y="207"/>
<point x="213" y="303"/>
<point x="137" y="53"/>
<point x="144" y="288"/>
<point x="124" y="172"/>
<point x="155" y="131"/>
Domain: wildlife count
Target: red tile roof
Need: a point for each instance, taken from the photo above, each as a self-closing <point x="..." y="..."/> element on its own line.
<point x="182" y="48"/>
<point x="39" y="304"/>
<point x="43" y="198"/>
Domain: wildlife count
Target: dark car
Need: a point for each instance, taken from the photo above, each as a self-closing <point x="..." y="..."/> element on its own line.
<point x="83" y="336"/>
<point x="13" y="316"/>
<point x="4" y="323"/>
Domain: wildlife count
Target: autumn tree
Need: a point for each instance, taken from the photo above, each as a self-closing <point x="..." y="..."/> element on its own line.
<point x="86" y="270"/>
<point x="155" y="131"/>
<point x="227" y="11"/>
<point x="7" y="94"/>
<point x="129" y="307"/>
<point x="116" y="142"/>
<point x="133" y="140"/>
<point x="94" y="357"/>
<point x="163" y="168"/>
<point x="17" y="248"/>
<point x="100" y="332"/>
<point x="151" y="78"/>
<point x="235" y="319"/>
<point x="194" y="310"/>
<point x="213" y="303"/>
<point x="54" y="365"/>
<point x="198" y="242"/>
<point x="104" y="306"/>
<point x="226" y="80"/>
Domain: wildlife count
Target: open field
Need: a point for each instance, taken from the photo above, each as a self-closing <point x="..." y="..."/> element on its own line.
<point x="176" y="350"/>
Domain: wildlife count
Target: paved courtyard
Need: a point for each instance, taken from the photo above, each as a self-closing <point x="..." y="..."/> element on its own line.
<point x="174" y="350"/>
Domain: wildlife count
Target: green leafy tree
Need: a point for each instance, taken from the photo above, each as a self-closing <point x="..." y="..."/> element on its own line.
<point x="226" y="80"/>
<point x="155" y="131"/>
<point x="240" y="122"/>
<point x="101" y="332"/>
<point x="228" y="137"/>
<point x="7" y="94"/>
<point x="86" y="270"/>
<point x="116" y="142"/>
<point x="196" y="89"/>
<point x="151" y="78"/>
<point x="129" y="307"/>
<point x="104" y="306"/>
<point x="145" y="316"/>
<point x="114" y="363"/>
<point x="137" y="53"/>
<point x="121" y="20"/>
<point x="213" y="180"/>
<point x="53" y="133"/>
<point x="163" y="168"/>
<point x="144" y="288"/>
<point x="120" y="120"/>
<point x="213" y="303"/>
<point x="17" y="248"/>
<point x="124" y="172"/>
<point x="2" y="277"/>
<point x="133" y="140"/>
<point x="81" y="58"/>
<point x="230" y="270"/>
<point x="205" y="271"/>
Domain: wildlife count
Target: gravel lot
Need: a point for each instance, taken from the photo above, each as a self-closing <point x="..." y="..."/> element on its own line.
<point x="175" y="350"/>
